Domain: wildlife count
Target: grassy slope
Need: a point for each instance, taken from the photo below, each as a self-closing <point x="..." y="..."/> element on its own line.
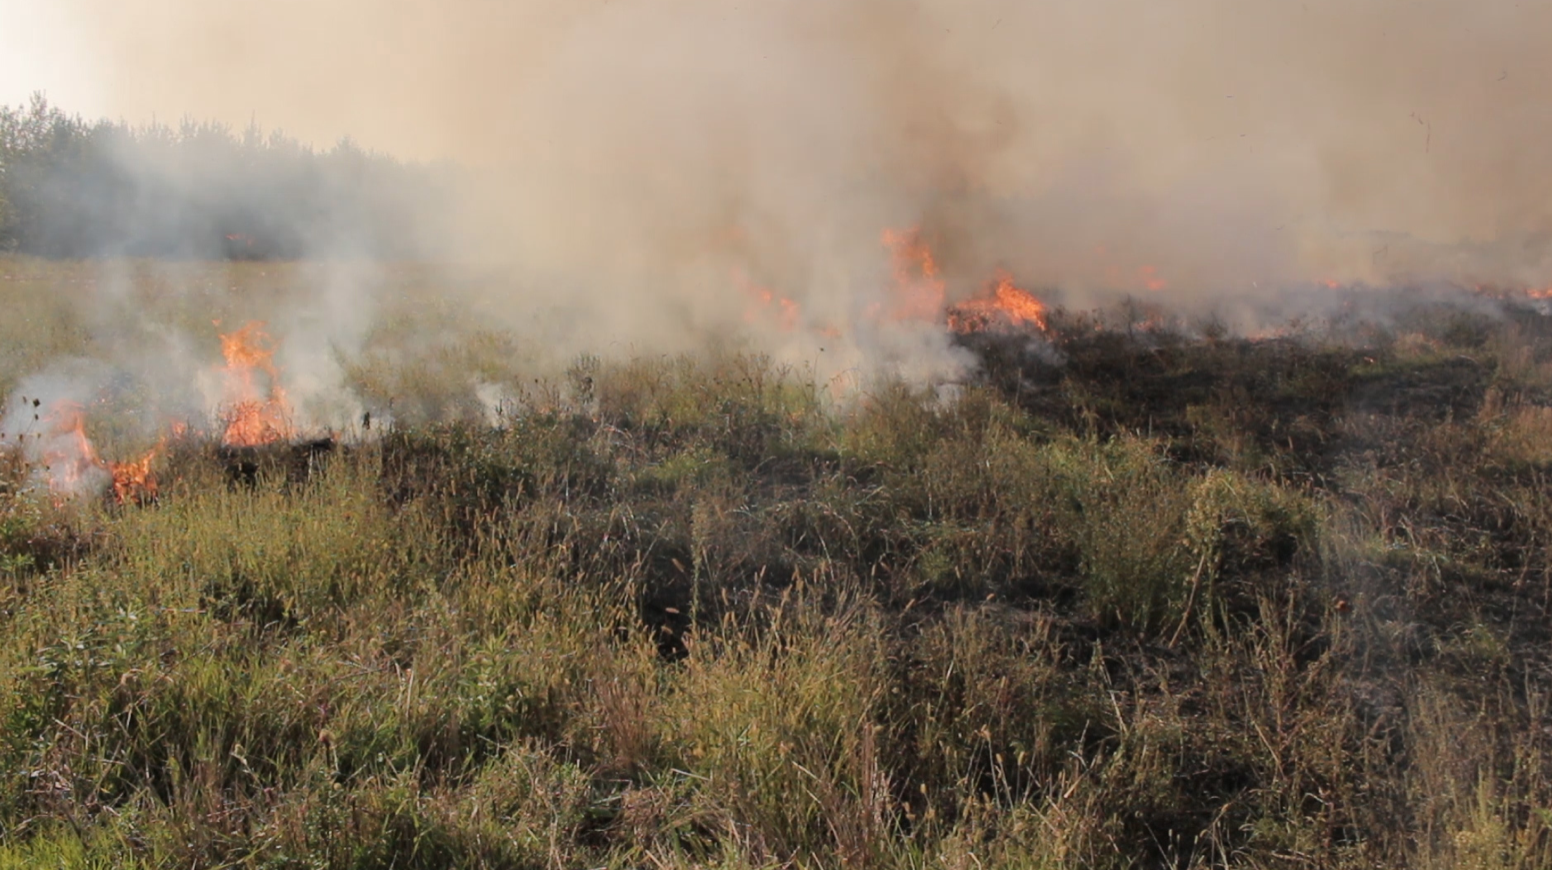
<point x="1180" y="603"/>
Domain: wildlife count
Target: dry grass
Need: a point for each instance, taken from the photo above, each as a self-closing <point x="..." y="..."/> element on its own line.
<point x="1262" y="605"/>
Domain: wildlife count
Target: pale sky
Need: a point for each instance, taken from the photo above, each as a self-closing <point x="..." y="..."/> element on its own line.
<point x="395" y="75"/>
<point x="1204" y="134"/>
<point x="40" y="51"/>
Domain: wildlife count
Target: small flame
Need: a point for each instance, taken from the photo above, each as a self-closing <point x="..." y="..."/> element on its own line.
<point x="919" y="290"/>
<point x="1003" y="305"/>
<point x="133" y="481"/>
<point x="74" y="467"/>
<point x="763" y="303"/>
<point x="68" y="454"/>
<point x="253" y="418"/>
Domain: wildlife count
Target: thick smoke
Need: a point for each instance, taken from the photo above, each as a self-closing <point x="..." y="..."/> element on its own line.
<point x="646" y="167"/>
<point x="48" y="436"/>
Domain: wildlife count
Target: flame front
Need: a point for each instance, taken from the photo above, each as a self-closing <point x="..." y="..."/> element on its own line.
<point x="1019" y="306"/>
<point x="254" y="416"/>
<point x="918" y="294"/>
<point x="132" y="481"/>
<point x="1004" y="305"/>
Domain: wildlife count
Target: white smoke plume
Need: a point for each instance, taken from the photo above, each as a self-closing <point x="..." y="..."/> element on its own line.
<point x="44" y="423"/>
<point x="642" y="171"/>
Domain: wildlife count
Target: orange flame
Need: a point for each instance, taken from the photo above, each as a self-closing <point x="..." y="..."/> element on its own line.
<point x="71" y="460"/>
<point x="133" y="481"/>
<point x="762" y="301"/>
<point x="1004" y="305"/>
<point x="787" y="307"/>
<point x="253" y="419"/>
<point x="918" y="287"/>
<point x="68" y="454"/>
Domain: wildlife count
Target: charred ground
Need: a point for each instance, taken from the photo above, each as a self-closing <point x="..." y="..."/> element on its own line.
<point x="1136" y="595"/>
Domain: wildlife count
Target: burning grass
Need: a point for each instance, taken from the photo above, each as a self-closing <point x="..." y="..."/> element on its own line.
<point x="256" y="411"/>
<point x="1131" y="598"/>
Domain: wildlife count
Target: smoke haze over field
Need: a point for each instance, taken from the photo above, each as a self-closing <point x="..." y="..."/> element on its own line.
<point x="643" y="159"/>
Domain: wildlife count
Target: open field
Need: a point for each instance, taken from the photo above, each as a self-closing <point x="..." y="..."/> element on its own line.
<point x="1181" y="600"/>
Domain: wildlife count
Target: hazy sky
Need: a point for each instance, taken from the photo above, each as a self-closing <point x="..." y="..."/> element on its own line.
<point x="42" y="50"/>
<point x="1223" y="141"/>
<point x="405" y="76"/>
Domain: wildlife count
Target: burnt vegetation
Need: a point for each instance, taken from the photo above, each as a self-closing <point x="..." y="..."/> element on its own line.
<point x="1135" y="596"/>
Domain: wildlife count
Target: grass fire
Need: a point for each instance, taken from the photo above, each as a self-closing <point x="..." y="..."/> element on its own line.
<point x="843" y="434"/>
<point x="255" y="414"/>
<point x="1148" y="582"/>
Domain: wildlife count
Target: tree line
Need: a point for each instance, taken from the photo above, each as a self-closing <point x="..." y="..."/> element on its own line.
<point x="71" y="188"/>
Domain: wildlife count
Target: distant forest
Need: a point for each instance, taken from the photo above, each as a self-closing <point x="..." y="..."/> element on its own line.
<point x="70" y="188"/>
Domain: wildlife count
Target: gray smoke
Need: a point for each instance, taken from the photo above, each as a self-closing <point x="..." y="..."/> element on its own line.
<point x="644" y="167"/>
